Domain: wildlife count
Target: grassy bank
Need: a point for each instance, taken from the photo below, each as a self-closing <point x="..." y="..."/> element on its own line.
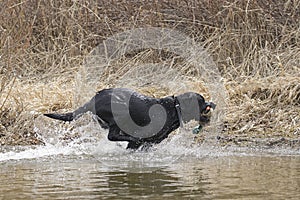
<point x="255" y="44"/>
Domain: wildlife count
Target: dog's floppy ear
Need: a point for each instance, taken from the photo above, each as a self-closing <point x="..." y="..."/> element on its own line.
<point x="191" y="105"/>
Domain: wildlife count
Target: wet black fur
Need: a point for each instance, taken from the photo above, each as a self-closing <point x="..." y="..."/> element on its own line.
<point x="139" y="105"/>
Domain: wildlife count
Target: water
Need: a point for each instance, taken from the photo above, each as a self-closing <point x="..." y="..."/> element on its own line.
<point x="133" y="175"/>
<point x="91" y="167"/>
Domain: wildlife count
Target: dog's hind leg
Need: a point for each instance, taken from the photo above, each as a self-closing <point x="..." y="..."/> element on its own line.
<point x="115" y="134"/>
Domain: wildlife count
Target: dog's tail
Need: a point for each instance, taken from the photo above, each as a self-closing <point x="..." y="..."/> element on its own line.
<point x="64" y="117"/>
<point x="70" y="116"/>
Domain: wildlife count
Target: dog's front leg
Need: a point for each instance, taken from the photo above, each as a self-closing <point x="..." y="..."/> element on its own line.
<point x="134" y="145"/>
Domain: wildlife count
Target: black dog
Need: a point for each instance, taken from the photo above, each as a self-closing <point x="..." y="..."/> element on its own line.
<point x="139" y="119"/>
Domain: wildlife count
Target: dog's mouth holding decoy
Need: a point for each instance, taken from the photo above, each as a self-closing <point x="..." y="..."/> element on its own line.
<point x="205" y="116"/>
<point x="207" y="112"/>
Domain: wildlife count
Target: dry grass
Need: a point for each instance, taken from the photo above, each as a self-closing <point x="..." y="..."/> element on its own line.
<point x="255" y="44"/>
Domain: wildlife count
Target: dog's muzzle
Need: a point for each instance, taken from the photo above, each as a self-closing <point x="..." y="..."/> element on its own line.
<point x="205" y="116"/>
<point x="209" y="107"/>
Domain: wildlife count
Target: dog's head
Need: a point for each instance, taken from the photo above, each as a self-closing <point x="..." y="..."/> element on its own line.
<point x="194" y="107"/>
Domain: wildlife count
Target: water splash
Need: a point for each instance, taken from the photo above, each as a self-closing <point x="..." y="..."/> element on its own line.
<point x="85" y="138"/>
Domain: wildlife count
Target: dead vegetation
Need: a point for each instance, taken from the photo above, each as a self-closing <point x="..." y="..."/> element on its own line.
<point x="255" y="44"/>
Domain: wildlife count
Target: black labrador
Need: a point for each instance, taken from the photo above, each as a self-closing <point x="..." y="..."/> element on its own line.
<point x="140" y="119"/>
